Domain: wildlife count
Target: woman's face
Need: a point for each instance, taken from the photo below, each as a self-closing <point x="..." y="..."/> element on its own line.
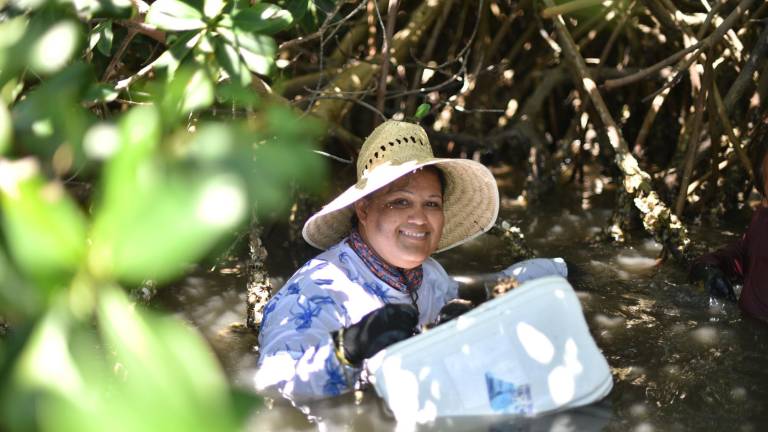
<point x="403" y="223"/>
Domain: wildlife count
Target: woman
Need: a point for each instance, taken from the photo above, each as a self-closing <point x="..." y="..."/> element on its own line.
<point x="375" y="283"/>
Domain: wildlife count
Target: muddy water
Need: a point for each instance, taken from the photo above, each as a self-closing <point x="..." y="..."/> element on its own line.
<point x="678" y="363"/>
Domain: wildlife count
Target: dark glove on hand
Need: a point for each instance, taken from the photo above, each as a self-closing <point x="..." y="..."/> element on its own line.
<point x="376" y="331"/>
<point x="453" y="309"/>
<point x="714" y="281"/>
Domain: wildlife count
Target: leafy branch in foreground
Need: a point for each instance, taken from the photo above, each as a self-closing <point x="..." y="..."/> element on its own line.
<point x="165" y="185"/>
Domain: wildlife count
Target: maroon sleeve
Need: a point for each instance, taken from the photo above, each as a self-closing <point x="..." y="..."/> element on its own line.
<point x="730" y="259"/>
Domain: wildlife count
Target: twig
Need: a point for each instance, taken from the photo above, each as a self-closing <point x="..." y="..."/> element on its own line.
<point x="644" y="73"/>
<point x="143" y="28"/>
<point x="660" y="97"/>
<point x="693" y="143"/>
<point x="738" y="13"/>
<point x="355" y="100"/>
<point x="459" y="32"/>
<point x="745" y="78"/>
<point x="722" y="113"/>
<point x="648" y="120"/>
<point x="427" y="54"/>
<point x="501" y="33"/>
<point x="731" y="35"/>
<point x="323" y="28"/>
<point x="585" y="27"/>
<point x="615" y="34"/>
<point x="446" y="83"/>
<point x="370" y="12"/>
<point x="334" y="157"/>
<point x="662" y="15"/>
<point x="569" y="7"/>
<point x="119" y="54"/>
<point x="384" y="70"/>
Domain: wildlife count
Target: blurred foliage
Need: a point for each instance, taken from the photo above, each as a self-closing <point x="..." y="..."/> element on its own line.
<point x="169" y="180"/>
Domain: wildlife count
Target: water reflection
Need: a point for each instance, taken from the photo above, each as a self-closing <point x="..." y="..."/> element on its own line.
<point x="369" y="414"/>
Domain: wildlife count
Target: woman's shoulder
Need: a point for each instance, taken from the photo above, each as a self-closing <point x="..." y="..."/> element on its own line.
<point x="328" y="266"/>
<point x="434" y="269"/>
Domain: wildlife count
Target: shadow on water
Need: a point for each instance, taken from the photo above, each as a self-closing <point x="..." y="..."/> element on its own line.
<point x="677" y="364"/>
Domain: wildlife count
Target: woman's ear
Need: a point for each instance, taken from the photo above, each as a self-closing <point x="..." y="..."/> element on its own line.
<point x="361" y="210"/>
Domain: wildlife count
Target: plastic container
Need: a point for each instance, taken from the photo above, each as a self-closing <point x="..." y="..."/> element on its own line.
<point x="526" y="353"/>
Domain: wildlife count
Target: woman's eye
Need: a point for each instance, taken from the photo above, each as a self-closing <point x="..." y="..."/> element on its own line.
<point x="399" y="203"/>
<point x="434" y="204"/>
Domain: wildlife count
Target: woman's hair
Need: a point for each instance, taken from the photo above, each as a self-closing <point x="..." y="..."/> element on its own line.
<point x="757" y="152"/>
<point x="428" y="168"/>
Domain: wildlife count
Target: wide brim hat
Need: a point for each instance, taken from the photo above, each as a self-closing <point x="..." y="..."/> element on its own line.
<point x="393" y="150"/>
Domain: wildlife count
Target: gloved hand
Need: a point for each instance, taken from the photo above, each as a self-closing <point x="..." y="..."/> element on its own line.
<point x="714" y="281"/>
<point x="452" y="310"/>
<point x="375" y="331"/>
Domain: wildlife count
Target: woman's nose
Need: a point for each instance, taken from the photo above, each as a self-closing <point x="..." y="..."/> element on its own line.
<point x="417" y="215"/>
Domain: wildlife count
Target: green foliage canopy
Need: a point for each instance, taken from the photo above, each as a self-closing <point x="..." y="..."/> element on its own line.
<point x="169" y="183"/>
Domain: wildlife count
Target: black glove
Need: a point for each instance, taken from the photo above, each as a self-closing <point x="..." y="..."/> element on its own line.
<point x="714" y="281"/>
<point x="453" y="309"/>
<point x="375" y="331"/>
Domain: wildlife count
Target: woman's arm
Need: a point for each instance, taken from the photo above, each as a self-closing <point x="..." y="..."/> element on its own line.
<point x="297" y="355"/>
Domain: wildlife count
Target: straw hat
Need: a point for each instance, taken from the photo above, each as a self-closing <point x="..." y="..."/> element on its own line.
<point x="395" y="149"/>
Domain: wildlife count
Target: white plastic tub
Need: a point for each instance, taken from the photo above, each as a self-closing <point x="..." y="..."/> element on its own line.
<point x="526" y="353"/>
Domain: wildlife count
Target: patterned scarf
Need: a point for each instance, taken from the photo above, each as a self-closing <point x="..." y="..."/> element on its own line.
<point x="407" y="281"/>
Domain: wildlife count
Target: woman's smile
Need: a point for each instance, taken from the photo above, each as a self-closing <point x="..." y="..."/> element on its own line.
<point x="414" y="234"/>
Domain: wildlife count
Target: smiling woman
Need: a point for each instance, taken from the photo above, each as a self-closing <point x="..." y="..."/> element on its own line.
<point x="376" y="282"/>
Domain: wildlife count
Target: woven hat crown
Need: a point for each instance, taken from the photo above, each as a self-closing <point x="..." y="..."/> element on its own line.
<point x="393" y="142"/>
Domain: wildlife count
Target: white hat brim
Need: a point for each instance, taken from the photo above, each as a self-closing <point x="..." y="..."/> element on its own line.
<point x="470" y="202"/>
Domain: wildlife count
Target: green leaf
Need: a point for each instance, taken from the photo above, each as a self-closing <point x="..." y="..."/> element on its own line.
<point x="285" y="159"/>
<point x="157" y="217"/>
<point x="297" y="8"/>
<point x="88" y="9"/>
<point x="15" y="36"/>
<point x="6" y="129"/>
<point x="100" y="93"/>
<point x="44" y="228"/>
<point x="105" y="41"/>
<point x="142" y="363"/>
<point x="422" y="110"/>
<point x="101" y="37"/>
<point x="174" y="15"/>
<point x="11" y="31"/>
<point x="263" y="18"/>
<point x="11" y="90"/>
<point x="16" y="297"/>
<point x="29" y="4"/>
<point x="231" y="93"/>
<point x="171" y="59"/>
<point x="213" y="8"/>
<point x="42" y="126"/>
<point x="198" y="92"/>
<point x="56" y="47"/>
<point x="257" y="51"/>
<point x="230" y="61"/>
<point x="190" y="89"/>
<point x="171" y="376"/>
<point x="101" y="141"/>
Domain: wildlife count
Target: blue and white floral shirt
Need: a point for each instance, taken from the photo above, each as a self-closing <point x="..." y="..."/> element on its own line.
<point x="333" y="290"/>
